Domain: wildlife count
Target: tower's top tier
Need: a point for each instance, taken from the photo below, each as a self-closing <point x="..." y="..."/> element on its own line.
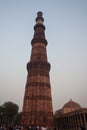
<point x="39" y="18"/>
<point x="39" y="30"/>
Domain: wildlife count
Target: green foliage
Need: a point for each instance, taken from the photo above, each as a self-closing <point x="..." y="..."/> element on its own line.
<point x="8" y="112"/>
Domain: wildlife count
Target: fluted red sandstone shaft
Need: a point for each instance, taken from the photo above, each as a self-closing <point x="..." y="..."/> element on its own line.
<point x="37" y="105"/>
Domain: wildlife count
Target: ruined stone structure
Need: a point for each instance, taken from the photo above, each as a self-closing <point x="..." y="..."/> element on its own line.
<point x="37" y="104"/>
<point x="71" y="117"/>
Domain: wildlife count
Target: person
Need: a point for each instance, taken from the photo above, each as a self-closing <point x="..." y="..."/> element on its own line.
<point x="54" y="128"/>
<point x="82" y="128"/>
<point x="43" y="128"/>
<point x="0" y="127"/>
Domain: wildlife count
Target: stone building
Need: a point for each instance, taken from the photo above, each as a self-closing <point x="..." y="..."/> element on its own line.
<point x="71" y="117"/>
<point x="37" y="103"/>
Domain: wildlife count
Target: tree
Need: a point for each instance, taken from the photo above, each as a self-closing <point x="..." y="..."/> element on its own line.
<point x="9" y="110"/>
<point x="17" y="119"/>
<point x="1" y="115"/>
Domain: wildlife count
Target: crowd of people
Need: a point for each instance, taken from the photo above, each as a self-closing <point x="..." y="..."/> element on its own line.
<point x="22" y="127"/>
<point x="30" y="128"/>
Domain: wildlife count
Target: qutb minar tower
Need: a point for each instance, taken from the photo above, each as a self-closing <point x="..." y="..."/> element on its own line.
<point x="37" y="104"/>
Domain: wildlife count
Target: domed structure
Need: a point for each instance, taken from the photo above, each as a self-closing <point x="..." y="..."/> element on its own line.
<point x="71" y="117"/>
<point x="71" y="106"/>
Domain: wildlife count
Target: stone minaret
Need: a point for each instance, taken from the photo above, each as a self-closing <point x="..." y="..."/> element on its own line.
<point x="37" y="104"/>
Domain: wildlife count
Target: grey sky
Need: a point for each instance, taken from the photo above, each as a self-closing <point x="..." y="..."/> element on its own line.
<point x="66" y="33"/>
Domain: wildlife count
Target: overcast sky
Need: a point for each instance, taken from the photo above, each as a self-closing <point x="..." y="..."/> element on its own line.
<point x="66" y="33"/>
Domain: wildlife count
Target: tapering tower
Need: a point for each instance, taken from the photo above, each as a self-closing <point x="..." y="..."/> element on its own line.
<point x="37" y="105"/>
